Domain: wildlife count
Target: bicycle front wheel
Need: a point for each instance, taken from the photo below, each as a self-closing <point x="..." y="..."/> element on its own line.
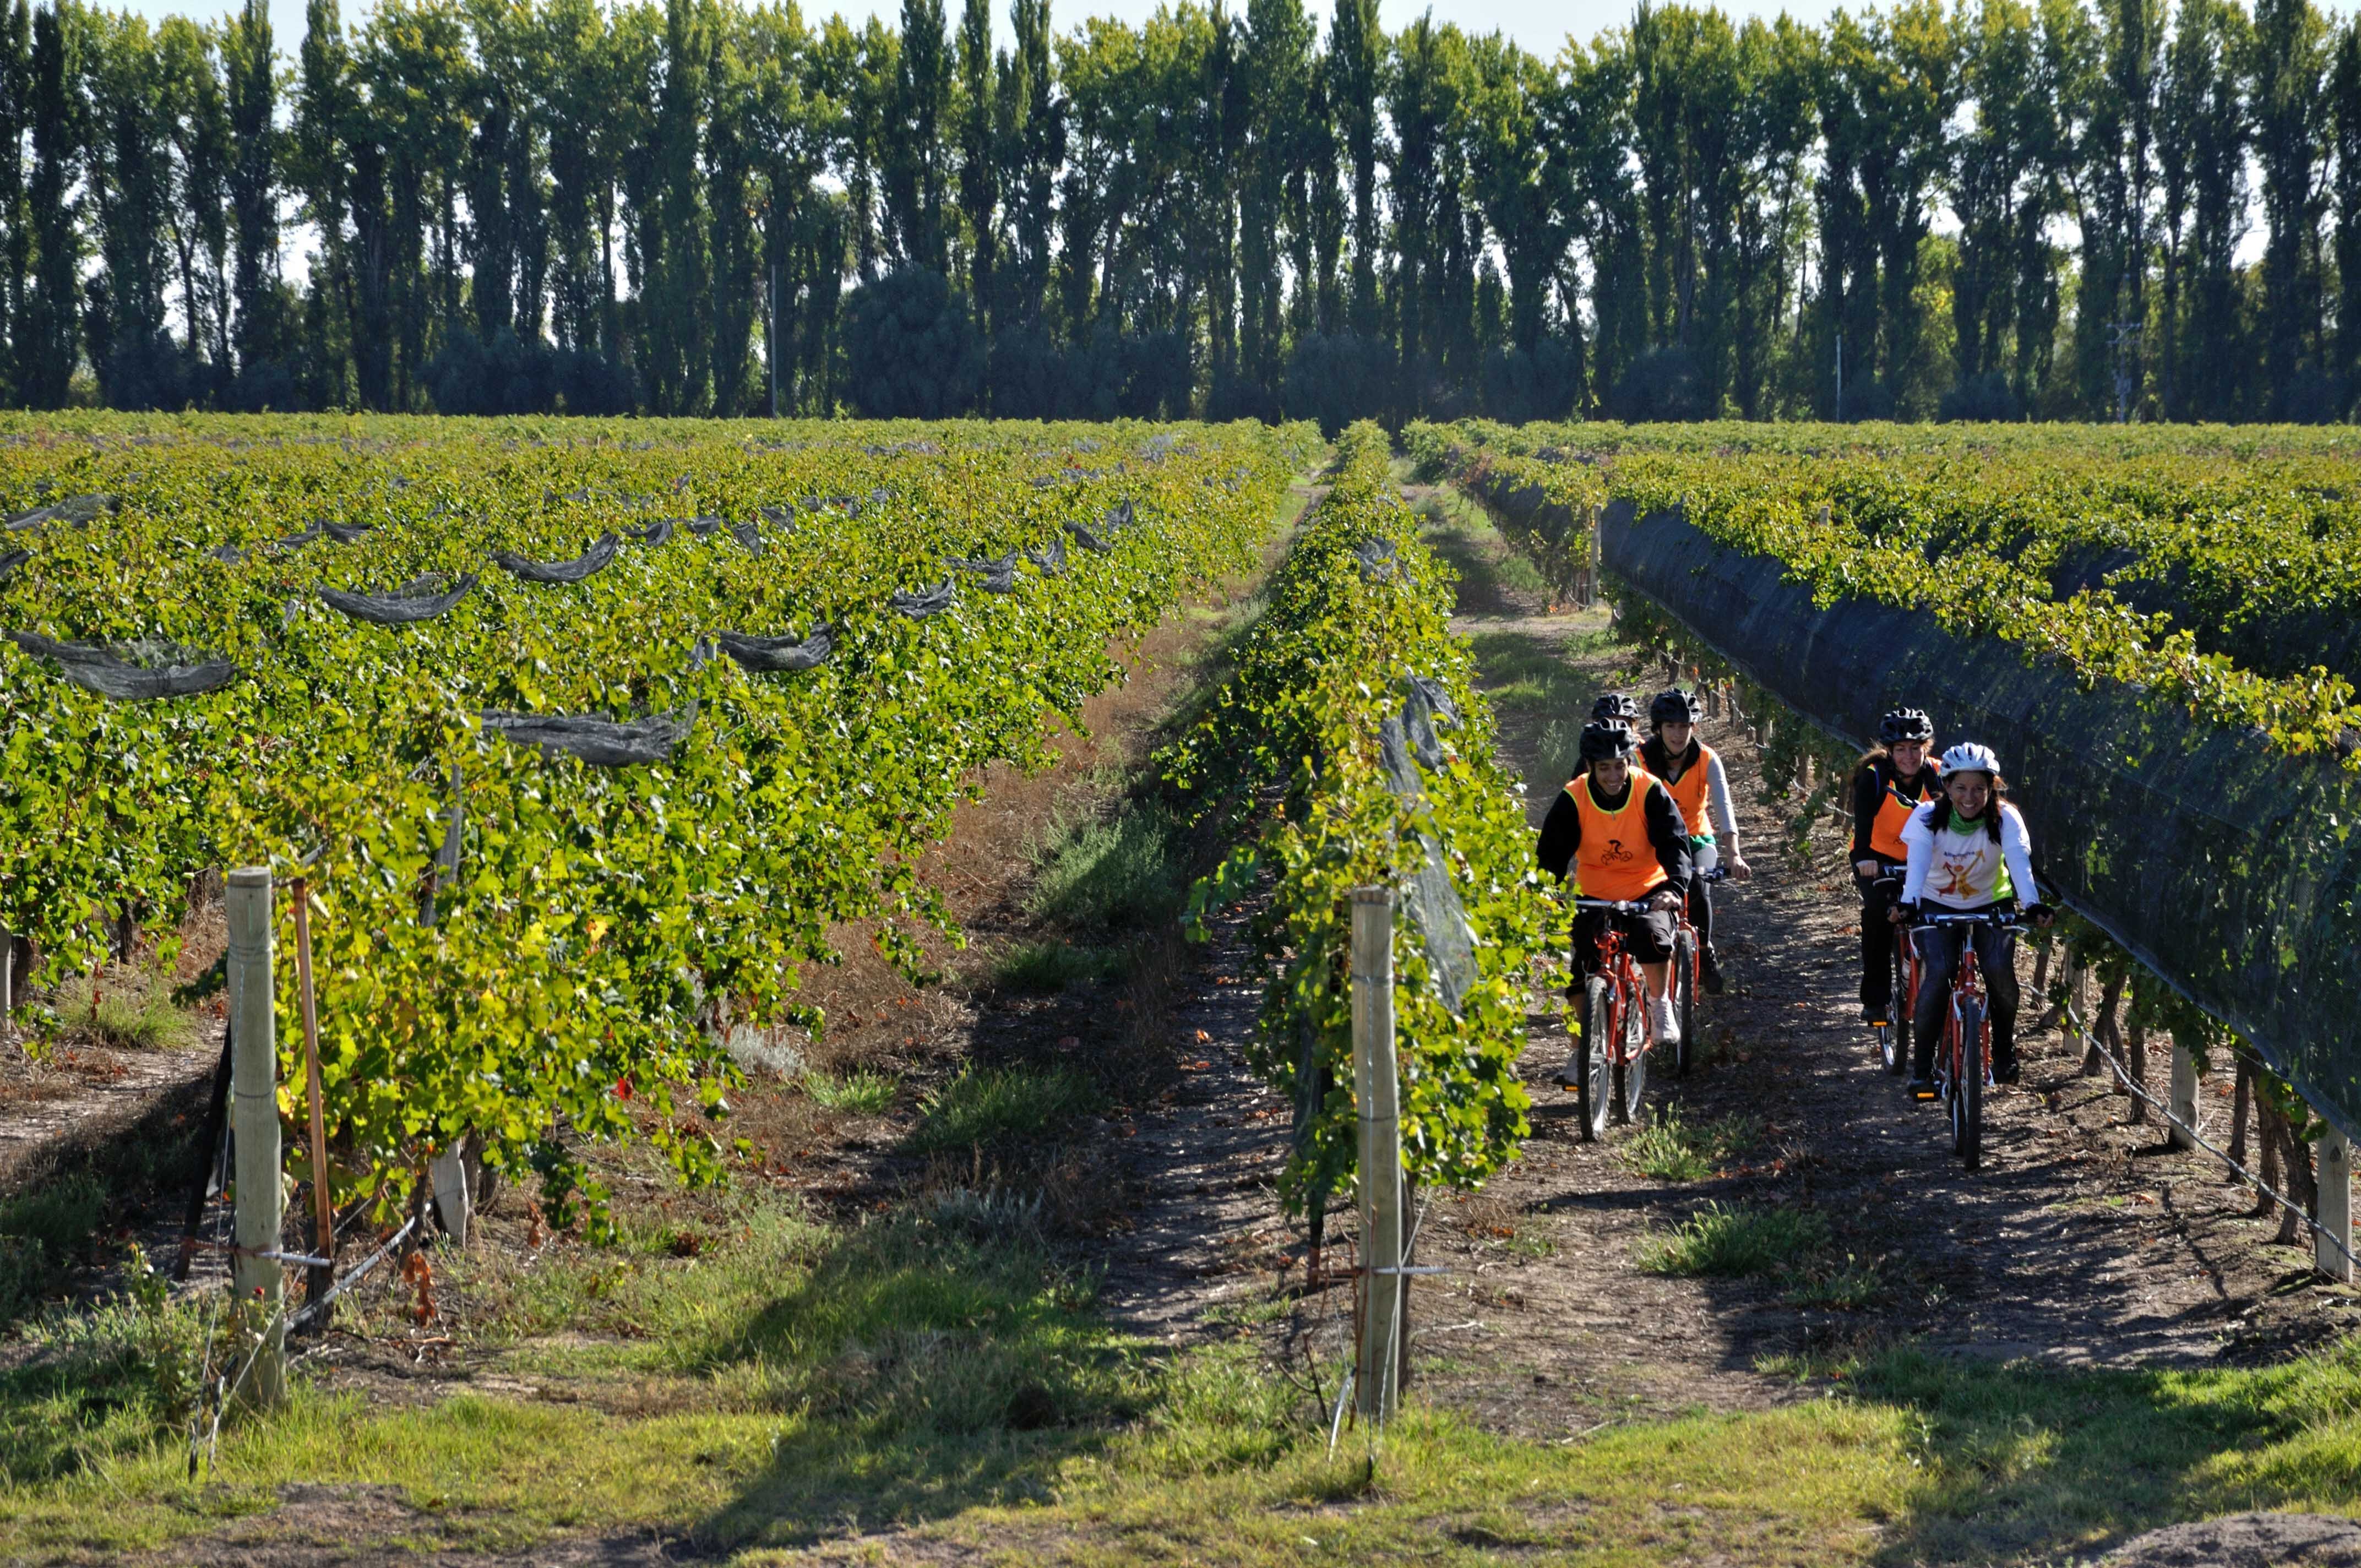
<point x="1894" y="1038"/>
<point x="1968" y="1094"/>
<point x="1632" y="1072"/>
<point x="1590" y="1085"/>
<point x="1685" y="965"/>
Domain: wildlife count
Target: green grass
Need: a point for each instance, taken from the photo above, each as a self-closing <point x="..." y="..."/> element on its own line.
<point x="1849" y="1287"/>
<point x="124" y="1010"/>
<point x="799" y="1382"/>
<point x="984" y="1106"/>
<point x="1734" y="1242"/>
<point x="42" y="1233"/>
<point x="1675" y="1149"/>
<point x="1053" y="966"/>
<point x="869" y="1094"/>
<point x="1104" y="872"/>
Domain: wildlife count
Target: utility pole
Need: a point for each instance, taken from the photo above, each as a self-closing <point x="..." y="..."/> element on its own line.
<point x="1840" y="378"/>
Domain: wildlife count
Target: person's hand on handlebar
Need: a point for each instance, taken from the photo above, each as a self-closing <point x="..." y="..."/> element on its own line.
<point x="1865" y="870"/>
<point x="2041" y="915"/>
<point x="1665" y="899"/>
<point x="1740" y="869"/>
<point x="1902" y="914"/>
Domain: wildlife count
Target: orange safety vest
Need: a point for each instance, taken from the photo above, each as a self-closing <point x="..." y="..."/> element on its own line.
<point x="1615" y="860"/>
<point x="1893" y="809"/>
<point x="1688" y="792"/>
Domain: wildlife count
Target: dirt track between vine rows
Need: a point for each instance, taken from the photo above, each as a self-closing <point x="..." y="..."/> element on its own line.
<point x="2081" y="1242"/>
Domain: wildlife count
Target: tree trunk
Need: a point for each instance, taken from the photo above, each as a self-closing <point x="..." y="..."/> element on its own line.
<point x="2138" y="1066"/>
<point x="2242" y="1100"/>
<point x="2267" y="1120"/>
<point x="2093" y="1062"/>
<point x="2302" y="1186"/>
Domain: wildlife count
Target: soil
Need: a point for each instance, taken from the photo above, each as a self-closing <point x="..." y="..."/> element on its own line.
<point x="2246" y="1540"/>
<point x="2081" y="1242"/>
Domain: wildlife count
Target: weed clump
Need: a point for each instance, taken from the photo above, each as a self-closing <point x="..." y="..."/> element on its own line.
<point x="999" y="1105"/>
<point x="1674" y="1150"/>
<point x="1734" y="1242"/>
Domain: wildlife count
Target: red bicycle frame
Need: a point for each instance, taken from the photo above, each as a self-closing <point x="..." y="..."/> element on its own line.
<point x="1630" y="988"/>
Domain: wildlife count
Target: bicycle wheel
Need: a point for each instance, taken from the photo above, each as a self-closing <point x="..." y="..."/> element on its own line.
<point x="1968" y="1094"/>
<point x="1896" y="1038"/>
<point x="1685" y="963"/>
<point x="1965" y="1091"/>
<point x="1632" y="1072"/>
<point x="1590" y="1086"/>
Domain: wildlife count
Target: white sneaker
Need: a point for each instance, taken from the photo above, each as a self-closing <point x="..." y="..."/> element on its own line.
<point x="1668" y="1028"/>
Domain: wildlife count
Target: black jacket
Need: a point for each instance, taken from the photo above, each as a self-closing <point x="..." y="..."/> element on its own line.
<point x="1669" y="835"/>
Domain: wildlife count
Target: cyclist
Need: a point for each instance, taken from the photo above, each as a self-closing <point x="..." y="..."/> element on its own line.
<point x="1692" y="772"/>
<point x="1610" y="708"/>
<point x="1968" y="853"/>
<point x="1617" y="829"/>
<point x="1893" y="781"/>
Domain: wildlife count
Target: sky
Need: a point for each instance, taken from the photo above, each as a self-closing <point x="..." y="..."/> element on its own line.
<point x="1541" y="25"/>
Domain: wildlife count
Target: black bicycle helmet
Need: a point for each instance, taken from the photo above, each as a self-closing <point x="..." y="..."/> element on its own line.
<point x="1615" y="706"/>
<point x="1674" y="705"/>
<point x="1604" y="739"/>
<point x="1905" y="724"/>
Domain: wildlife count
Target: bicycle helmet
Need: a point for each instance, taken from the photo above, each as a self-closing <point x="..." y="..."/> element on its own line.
<point x="1905" y="724"/>
<point x="1971" y="757"/>
<point x="1674" y="705"/>
<point x="1615" y="706"/>
<point x="1604" y="740"/>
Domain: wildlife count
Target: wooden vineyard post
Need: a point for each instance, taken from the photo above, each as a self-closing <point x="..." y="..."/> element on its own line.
<point x="1377" y="1093"/>
<point x="2182" y="1134"/>
<point x="2336" y="1206"/>
<point x="453" y="1199"/>
<point x="321" y="1277"/>
<point x="7" y="975"/>
<point x="260" y="1285"/>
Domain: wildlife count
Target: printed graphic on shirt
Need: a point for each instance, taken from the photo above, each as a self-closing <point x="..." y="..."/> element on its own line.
<point x="1967" y="872"/>
<point x="1615" y="854"/>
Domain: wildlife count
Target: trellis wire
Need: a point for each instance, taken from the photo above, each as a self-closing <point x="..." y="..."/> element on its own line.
<point x="2140" y="1089"/>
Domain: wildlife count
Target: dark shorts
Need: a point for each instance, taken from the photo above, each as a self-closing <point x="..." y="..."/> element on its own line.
<point x="1648" y="938"/>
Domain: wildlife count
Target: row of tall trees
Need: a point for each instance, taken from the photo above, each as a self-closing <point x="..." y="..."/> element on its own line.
<point x="2046" y="208"/>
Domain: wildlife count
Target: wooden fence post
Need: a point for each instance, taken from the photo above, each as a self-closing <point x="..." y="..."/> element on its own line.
<point x="1377" y="1092"/>
<point x="7" y="975"/>
<point x="454" y="1200"/>
<point x="259" y="1282"/>
<point x="2335" y="1167"/>
<point x="2184" y="1097"/>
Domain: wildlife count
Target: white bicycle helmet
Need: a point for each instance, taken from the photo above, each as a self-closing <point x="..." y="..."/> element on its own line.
<point x="1971" y="757"/>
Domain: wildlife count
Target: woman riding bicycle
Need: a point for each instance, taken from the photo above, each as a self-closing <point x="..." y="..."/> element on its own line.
<point x="1617" y="829"/>
<point x="1969" y="854"/>
<point x="1893" y="781"/>
<point x="1691" y="771"/>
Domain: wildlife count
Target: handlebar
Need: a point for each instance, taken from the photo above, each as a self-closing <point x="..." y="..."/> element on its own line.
<point x="2004" y="919"/>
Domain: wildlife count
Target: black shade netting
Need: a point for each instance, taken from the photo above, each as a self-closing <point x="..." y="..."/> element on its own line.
<point x="1089" y="538"/>
<point x="1432" y="900"/>
<point x="924" y="602"/>
<point x="11" y="560"/>
<point x="600" y="742"/>
<point x="657" y="532"/>
<point x="76" y="509"/>
<point x="132" y="671"/>
<point x="778" y="655"/>
<point x="421" y="600"/>
<point x="590" y="562"/>
<point x="2229" y="870"/>
<point x="994" y="576"/>
<point x="1052" y="561"/>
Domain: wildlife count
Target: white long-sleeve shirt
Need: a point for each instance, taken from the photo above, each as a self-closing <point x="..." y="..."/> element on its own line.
<point x="1965" y="869"/>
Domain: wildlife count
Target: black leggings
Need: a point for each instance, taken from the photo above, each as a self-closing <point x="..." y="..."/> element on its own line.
<point x="1703" y="858"/>
<point x="1878" y="895"/>
<point x="1939" y="963"/>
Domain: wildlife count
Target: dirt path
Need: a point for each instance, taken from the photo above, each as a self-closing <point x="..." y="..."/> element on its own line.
<point x="2081" y="1243"/>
